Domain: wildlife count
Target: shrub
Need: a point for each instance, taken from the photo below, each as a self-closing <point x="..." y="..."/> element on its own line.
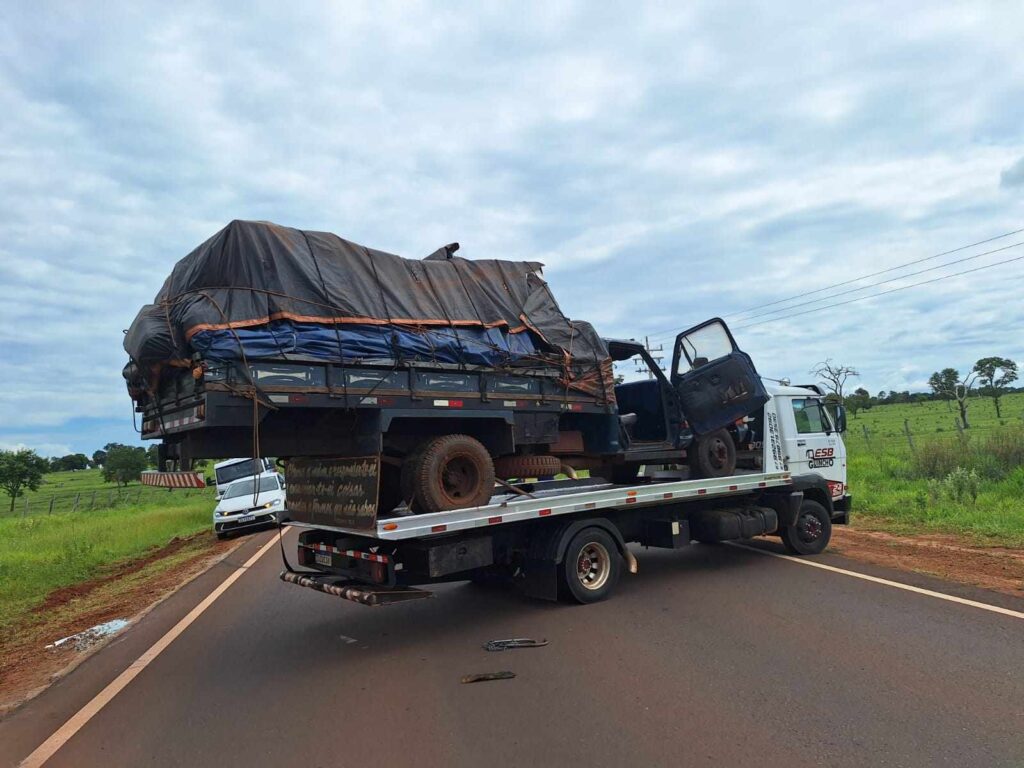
<point x="936" y="459"/>
<point x="962" y="484"/>
<point x="1006" y="446"/>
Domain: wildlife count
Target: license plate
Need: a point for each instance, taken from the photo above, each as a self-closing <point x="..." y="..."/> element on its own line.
<point x="246" y="518"/>
<point x="322" y="558"/>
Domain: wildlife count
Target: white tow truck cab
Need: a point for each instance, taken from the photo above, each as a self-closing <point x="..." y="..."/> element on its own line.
<point x="569" y="538"/>
<point x="249" y="503"/>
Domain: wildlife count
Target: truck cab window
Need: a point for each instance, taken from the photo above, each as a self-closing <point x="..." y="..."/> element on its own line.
<point x="808" y="415"/>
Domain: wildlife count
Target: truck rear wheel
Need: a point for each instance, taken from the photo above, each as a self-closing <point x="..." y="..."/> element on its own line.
<point x="454" y="471"/>
<point x="811" y="532"/>
<point x="527" y="466"/>
<point x="712" y="455"/>
<point x="591" y="567"/>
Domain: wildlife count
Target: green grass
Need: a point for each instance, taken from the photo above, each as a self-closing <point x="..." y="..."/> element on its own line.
<point x="88" y="488"/>
<point x="41" y="553"/>
<point x="892" y="487"/>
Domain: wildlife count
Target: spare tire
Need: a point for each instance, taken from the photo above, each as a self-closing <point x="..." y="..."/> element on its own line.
<point x="712" y="455"/>
<point x="454" y="471"/>
<point x="527" y="466"/>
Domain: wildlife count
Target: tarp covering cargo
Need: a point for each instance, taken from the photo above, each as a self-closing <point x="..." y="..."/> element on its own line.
<point x="256" y="290"/>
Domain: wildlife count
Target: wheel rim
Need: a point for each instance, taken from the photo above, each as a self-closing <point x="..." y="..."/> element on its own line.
<point x="460" y="478"/>
<point x="593" y="566"/>
<point x="809" y="527"/>
<point x="717" y="452"/>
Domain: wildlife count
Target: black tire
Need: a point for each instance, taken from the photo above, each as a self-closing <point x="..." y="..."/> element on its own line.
<point x="811" y="532"/>
<point x="389" y="490"/>
<point x="455" y="471"/>
<point x="221" y="536"/>
<point x="620" y="474"/>
<point x="527" y="466"/>
<point x="591" y="567"/>
<point x="712" y="455"/>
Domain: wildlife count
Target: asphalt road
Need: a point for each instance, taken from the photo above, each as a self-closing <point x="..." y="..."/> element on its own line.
<point x="709" y="656"/>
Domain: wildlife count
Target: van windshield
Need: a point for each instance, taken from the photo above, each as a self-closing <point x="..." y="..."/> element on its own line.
<point x="243" y="487"/>
<point x="233" y="472"/>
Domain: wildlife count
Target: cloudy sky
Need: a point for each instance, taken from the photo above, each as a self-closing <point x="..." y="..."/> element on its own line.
<point x="667" y="164"/>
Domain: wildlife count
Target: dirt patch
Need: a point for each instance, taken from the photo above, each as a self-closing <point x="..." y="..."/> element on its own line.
<point x="946" y="556"/>
<point x="127" y="591"/>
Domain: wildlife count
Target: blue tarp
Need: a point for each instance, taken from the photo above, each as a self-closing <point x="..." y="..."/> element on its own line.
<point x="352" y="342"/>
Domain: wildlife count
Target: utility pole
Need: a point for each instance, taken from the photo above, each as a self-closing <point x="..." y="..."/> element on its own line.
<point x="656" y="354"/>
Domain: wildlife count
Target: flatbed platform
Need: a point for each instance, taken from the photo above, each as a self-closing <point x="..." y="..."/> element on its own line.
<point x="514" y="508"/>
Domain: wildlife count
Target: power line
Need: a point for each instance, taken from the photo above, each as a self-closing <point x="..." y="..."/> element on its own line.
<point x="876" y="274"/>
<point x="883" y="282"/>
<point x="882" y="293"/>
<point x="658" y="334"/>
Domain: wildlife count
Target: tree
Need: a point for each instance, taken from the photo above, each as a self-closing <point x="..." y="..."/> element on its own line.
<point x="948" y="385"/>
<point x="20" y="471"/>
<point x="995" y="374"/>
<point x="68" y="463"/>
<point x="834" y="376"/>
<point x="98" y="458"/>
<point x="124" y="463"/>
<point x="859" y="400"/>
<point x="153" y="456"/>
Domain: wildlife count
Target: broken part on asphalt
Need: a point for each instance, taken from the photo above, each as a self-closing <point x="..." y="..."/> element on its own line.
<point x="485" y="676"/>
<point x="515" y="642"/>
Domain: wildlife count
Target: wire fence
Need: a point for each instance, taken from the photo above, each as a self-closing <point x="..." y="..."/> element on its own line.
<point x="909" y="436"/>
<point x="88" y="500"/>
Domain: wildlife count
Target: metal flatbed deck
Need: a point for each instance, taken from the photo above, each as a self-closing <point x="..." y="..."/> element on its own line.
<point x="519" y="509"/>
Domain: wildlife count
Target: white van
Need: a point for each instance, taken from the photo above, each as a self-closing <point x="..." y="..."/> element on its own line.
<point x="244" y="505"/>
<point x="228" y="471"/>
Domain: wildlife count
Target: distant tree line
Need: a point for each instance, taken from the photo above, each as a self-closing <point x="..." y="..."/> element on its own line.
<point x="990" y="377"/>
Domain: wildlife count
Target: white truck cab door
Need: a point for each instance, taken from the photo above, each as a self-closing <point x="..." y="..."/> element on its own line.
<point x="812" y="443"/>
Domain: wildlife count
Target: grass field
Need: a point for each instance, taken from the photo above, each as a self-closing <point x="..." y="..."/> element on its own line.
<point x="85" y="489"/>
<point x="912" y="490"/>
<point x="41" y="553"/>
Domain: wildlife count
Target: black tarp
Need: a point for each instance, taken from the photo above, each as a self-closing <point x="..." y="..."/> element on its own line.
<point x="252" y="274"/>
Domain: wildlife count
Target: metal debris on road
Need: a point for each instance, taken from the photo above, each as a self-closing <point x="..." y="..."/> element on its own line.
<point x="515" y="642"/>
<point x="488" y="676"/>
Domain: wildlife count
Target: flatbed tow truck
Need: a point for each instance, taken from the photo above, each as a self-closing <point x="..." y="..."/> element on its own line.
<point x="568" y="539"/>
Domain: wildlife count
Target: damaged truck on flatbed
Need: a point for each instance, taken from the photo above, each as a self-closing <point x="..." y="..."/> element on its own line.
<point x="398" y="391"/>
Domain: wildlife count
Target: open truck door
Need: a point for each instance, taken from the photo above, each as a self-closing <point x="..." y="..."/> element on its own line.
<point x="716" y="381"/>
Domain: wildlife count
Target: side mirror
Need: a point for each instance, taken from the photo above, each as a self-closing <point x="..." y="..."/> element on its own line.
<point x="840" y="413"/>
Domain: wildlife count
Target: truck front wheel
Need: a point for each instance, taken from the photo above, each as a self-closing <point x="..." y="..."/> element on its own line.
<point x="452" y="472"/>
<point x="811" y="532"/>
<point x="712" y="455"/>
<point x="591" y="567"/>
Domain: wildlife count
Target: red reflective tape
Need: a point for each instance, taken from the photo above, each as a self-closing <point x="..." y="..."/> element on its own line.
<point x="734" y="487"/>
<point x="544" y="512"/>
<point x="493" y="520"/>
<point x="762" y="485"/>
<point x="666" y="495"/>
<point x="631" y="500"/>
<point x="701" y="491"/>
<point x="454" y="403"/>
<point x="438" y="528"/>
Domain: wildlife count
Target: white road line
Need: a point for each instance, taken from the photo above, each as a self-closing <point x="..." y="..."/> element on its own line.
<point x="886" y="582"/>
<point x="74" y="724"/>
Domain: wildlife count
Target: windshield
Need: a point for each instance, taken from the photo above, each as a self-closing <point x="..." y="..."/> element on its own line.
<point x="237" y="471"/>
<point x="243" y="487"/>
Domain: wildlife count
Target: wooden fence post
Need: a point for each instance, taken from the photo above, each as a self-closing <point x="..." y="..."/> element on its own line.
<point x="906" y="431"/>
<point x="78" y="498"/>
<point x="52" y="499"/>
<point x="867" y="436"/>
<point x="92" y="502"/>
<point x="25" y="512"/>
